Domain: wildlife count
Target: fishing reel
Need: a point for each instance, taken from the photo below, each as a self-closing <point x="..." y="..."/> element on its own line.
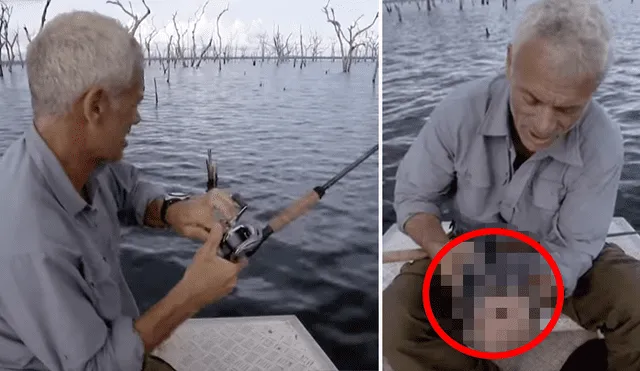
<point x="241" y="240"/>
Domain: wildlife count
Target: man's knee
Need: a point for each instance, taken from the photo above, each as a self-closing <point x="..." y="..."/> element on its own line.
<point x="403" y="317"/>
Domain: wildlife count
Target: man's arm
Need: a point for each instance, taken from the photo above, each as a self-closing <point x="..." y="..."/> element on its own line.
<point x="583" y="222"/>
<point x="42" y="299"/>
<point x="139" y="201"/>
<point x="424" y="177"/>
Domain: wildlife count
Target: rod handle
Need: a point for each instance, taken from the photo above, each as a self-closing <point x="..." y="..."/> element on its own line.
<point x="399" y="256"/>
<point x="294" y="211"/>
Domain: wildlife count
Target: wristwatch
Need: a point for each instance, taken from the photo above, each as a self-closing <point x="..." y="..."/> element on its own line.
<point x="170" y="199"/>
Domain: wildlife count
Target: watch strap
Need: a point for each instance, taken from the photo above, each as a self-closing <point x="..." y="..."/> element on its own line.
<point x="165" y="206"/>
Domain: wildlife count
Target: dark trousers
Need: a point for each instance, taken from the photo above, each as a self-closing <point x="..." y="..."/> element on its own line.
<point x="153" y="363"/>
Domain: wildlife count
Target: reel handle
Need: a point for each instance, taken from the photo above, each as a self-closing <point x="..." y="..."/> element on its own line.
<point x="239" y="200"/>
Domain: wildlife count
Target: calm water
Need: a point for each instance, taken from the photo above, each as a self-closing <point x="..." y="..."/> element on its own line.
<point x="427" y="55"/>
<point x="273" y="143"/>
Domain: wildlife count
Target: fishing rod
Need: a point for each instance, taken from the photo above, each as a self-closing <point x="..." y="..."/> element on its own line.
<point x="244" y="240"/>
<point x="400" y="256"/>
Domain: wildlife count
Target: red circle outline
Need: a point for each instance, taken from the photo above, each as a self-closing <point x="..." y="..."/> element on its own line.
<point x="484" y="232"/>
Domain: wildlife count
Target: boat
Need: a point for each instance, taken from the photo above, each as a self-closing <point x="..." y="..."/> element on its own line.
<point x="262" y="343"/>
<point x="566" y="335"/>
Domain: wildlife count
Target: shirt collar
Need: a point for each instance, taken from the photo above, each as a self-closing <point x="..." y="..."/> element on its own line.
<point x="565" y="149"/>
<point x="54" y="174"/>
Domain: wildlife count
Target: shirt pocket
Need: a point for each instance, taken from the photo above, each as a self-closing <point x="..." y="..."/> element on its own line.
<point x="104" y="292"/>
<point x="474" y="190"/>
<point x="546" y="195"/>
<point x="538" y="211"/>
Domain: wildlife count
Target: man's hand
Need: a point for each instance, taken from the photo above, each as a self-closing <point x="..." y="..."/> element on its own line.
<point x="210" y="277"/>
<point x="195" y="217"/>
<point x="452" y="263"/>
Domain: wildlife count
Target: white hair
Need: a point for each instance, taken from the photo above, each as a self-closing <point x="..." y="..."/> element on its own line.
<point x="75" y="51"/>
<point x="577" y="31"/>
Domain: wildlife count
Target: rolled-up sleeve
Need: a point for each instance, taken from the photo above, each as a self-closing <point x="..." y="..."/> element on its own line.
<point x="133" y="193"/>
<point x="583" y="223"/>
<point x="425" y="173"/>
<point x="42" y="300"/>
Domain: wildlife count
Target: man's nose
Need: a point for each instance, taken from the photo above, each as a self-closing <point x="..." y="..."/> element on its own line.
<point x="546" y="124"/>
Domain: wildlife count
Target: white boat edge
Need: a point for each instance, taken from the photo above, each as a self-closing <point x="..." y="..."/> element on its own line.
<point x="178" y="346"/>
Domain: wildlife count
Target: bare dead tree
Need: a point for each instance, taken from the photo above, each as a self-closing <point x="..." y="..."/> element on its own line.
<point x="136" y="19"/>
<point x="161" y="59"/>
<point x="280" y="46"/>
<point x="220" y="36"/>
<point x="168" y="70"/>
<point x="3" y="11"/>
<point x="226" y="53"/>
<point x="43" y="20"/>
<point x="198" y="16"/>
<point x="375" y="70"/>
<point x="263" y="42"/>
<point x="12" y="44"/>
<point x="178" y="49"/>
<point x="205" y="50"/>
<point x="399" y="13"/>
<point x="372" y="44"/>
<point x="26" y="31"/>
<point x="333" y="50"/>
<point x="352" y="40"/>
<point x="4" y="34"/>
<point x="314" y="43"/>
<point x="147" y="40"/>
<point x="155" y="86"/>
<point x="303" y="62"/>
<point x="17" y="41"/>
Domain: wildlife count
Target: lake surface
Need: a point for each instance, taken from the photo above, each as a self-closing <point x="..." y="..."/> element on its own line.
<point x="427" y="55"/>
<point x="273" y="143"/>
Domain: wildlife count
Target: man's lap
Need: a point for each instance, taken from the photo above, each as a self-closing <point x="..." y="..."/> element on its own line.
<point x="612" y="279"/>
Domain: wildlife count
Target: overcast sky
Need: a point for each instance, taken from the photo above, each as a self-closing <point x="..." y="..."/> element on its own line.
<point x="245" y="18"/>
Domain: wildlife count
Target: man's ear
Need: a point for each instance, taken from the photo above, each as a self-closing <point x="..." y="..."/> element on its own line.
<point x="509" y="61"/>
<point x="94" y="105"/>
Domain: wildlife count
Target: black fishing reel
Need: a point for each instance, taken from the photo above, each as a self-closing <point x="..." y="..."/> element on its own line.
<point x="241" y="240"/>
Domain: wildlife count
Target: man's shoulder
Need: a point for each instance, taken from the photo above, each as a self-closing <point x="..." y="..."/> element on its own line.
<point x="601" y="136"/>
<point x="464" y="108"/>
<point x="477" y="89"/>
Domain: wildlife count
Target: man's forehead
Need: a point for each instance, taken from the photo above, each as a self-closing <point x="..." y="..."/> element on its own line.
<point x="537" y="69"/>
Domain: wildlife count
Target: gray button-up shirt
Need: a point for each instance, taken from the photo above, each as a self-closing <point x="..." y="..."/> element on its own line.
<point x="64" y="303"/>
<point x="564" y="196"/>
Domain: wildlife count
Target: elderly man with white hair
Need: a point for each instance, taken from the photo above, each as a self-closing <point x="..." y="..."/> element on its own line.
<point x="64" y="302"/>
<point x="532" y="149"/>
